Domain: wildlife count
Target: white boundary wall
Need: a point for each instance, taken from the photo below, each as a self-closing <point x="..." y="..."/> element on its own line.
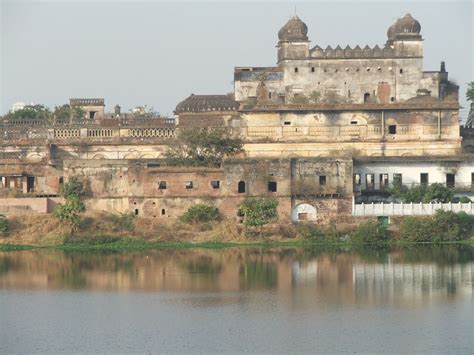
<point x="408" y="209"/>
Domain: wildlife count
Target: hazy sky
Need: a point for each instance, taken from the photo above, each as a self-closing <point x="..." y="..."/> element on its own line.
<point x="157" y="53"/>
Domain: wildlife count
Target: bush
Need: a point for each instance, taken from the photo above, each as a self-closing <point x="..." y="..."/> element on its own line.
<point x="422" y="193"/>
<point x="444" y="226"/>
<point x="3" y="224"/>
<point x="123" y="221"/>
<point x="310" y="232"/>
<point x="70" y="211"/>
<point x="72" y="188"/>
<point x="259" y="211"/>
<point x="372" y="232"/>
<point x="200" y="213"/>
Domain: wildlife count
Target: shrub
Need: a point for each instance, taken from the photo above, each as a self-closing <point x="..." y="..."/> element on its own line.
<point x="123" y="221"/>
<point x="200" y="213"/>
<point x="310" y="232"/>
<point x="444" y="226"/>
<point x="372" y="232"/>
<point x="259" y="211"/>
<point x="70" y="211"/>
<point x="72" y="188"/>
<point x="3" y="224"/>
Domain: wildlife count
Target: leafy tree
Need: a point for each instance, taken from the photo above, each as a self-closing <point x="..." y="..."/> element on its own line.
<point x="200" y="213"/>
<point x="259" y="211"/>
<point x="422" y="193"/>
<point x="470" y="91"/>
<point x="72" y="188"/>
<point x="62" y="112"/>
<point x="70" y="211"/>
<point x="32" y="112"/>
<point x="202" y="147"/>
<point x="3" y="224"/>
<point x="145" y="112"/>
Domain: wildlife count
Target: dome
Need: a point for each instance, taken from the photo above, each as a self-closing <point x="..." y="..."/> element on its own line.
<point x="294" y="30"/>
<point x="406" y="25"/>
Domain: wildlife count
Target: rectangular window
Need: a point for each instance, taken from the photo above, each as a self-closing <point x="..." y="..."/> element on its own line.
<point x="215" y="184"/>
<point x="272" y="186"/>
<point x="356" y="179"/>
<point x="424" y="179"/>
<point x="162" y="185"/>
<point x="450" y="180"/>
<point x="269" y="95"/>
<point x="322" y="180"/>
<point x="189" y="185"/>
<point x="303" y="216"/>
<point x="353" y="122"/>
<point x="397" y="179"/>
<point x="296" y="70"/>
<point x="369" y="181"/>
<point x="392" y="129"/>
<point x="312" y="69"/>
<point x="287" y="123"/>
<point x="383" y="181"/>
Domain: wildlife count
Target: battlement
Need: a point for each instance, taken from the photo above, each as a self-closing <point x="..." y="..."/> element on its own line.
<point x="86" y="102"/>
<point x="356" y="52"/>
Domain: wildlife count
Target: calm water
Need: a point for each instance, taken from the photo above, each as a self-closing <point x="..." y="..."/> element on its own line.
<point x="238" y="300"/>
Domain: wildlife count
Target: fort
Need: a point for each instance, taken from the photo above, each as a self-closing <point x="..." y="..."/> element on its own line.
<point x="321" y="128"/>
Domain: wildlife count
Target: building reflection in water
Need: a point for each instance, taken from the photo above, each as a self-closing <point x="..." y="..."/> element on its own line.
<point x="302" y="278"/>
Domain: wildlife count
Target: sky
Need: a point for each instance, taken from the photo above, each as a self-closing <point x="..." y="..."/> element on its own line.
<point x="157" y="53"/>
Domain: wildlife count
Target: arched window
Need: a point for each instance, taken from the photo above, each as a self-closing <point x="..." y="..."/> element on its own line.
<point x="366" y="97"/>
<point x="241" y="187"/>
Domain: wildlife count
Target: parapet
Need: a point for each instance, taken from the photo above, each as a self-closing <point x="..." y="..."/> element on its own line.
<point x="348" y="52"/>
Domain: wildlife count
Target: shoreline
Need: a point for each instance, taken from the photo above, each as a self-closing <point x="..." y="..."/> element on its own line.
<point x="134" y="245"/>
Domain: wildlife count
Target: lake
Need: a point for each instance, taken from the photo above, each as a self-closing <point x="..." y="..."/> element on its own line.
<point x="239" y="299"/>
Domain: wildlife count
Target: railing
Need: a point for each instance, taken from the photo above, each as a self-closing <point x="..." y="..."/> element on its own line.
<point x="458" y="186"/>
<point x="408" y="209"/>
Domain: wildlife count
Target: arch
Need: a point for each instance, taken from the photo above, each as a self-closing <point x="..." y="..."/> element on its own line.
<point x="303" y="212"/>
<point x="133" y="155"/>
<point x="241" y="187"/>
<point x="147" y="156"/>
<point x="34" y="157"/>
<point x="98" y="156"/>
<point x="366" y="97"/>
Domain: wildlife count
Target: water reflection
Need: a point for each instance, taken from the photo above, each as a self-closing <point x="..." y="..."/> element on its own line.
<point x="301" y="277"/>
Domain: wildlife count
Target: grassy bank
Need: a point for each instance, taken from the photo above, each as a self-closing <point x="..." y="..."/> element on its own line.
<point x="106" y="232"/>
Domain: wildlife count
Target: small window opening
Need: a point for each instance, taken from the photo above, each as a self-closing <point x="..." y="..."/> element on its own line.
<point x="134" y="203"/>
<point x="272" y="186"/>
<point x="472" y="179"/>
<point x="296" y="70"/>
<point x="424" y="179"/>
<point x="163" y="211"/>
<point x="383" y="181"/>
<point x="162" y="185"/>
<point x="322" y="180"/>
<point x="392" y="129"/>
<point x="241" y="187"/>
<point x="61" y="180"/>
<point x="92" y="114"/>
<point x="401" y="71"/>
<point x="189" y="185"/>
<point x="348" y="93"/>
<point x="366" y="97"/>
<point x="397" y="179"/>
<point x="136" y="211"/>
<point x="335" y="71"/>
<point x="450" y="180"/>
<point x="392" y="99"/>
<point x="287" y="123"/>
<point x="215" y="184"/>
<point x="302" y="216"/>
<point x="353" y="122"/>
<point x="369" y="181"/>
<point x="368" y="69"/>
<point x="269" y="95"/>
<point x="154" y="203"/>
<point x="356" y="179"/>
<point x="312" y="69"/>
<point x="379" y="69"/>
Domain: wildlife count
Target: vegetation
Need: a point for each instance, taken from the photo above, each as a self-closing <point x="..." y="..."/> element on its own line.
<point x="372" y="232"/>
<point x="259" y="211"/>
<point x="32" y="112"/>
<point x="442" y="227"/>
<point x="202" y="147"/>
<point x="65" y="112"/>
<point x="3" y="224"/>
<point x="425" y="194"/>
<point x="123" y="221"/>
<point x="145" y="112"/>
<point x="470" y="91"/>
<point x="200" y="213"/>
<point x="70" y="211"/>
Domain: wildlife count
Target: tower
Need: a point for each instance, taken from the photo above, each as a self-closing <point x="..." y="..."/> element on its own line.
<point x="293" y="41"/>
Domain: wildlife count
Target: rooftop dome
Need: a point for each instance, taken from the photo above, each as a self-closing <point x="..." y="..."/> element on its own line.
<point x="405" y="26"/>
<point x="202" y="103"/>
<point x="294" y="30"/>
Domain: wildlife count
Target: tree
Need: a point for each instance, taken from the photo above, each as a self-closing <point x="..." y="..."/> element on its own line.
<point x="70" y="211"/>
<point x="3" y="224"/>
<point x="200" y="213"/>
<point x="470" y="92"/>
<point x="259" y="211"/>
<point x="202" y="147"/>
<point x="31" y="112"/>
<point x="145" y="112"/>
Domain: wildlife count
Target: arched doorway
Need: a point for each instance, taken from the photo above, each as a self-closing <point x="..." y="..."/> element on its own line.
<point x="303" y="212"/>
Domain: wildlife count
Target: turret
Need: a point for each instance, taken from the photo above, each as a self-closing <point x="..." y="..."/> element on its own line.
<point x="293" y="40"/>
